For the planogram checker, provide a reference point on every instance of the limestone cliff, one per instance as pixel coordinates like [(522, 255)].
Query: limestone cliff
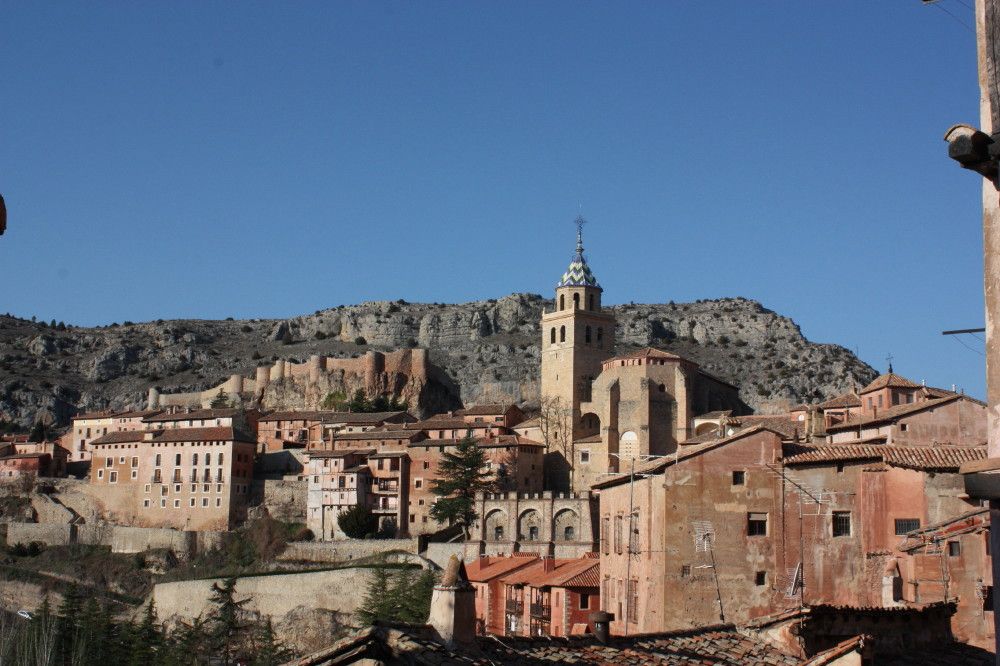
[(482, 351)]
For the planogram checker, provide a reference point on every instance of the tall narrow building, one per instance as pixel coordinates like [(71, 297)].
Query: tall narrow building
[(576, 337)]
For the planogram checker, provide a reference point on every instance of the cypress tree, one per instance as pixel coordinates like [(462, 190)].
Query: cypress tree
[(461, 475)]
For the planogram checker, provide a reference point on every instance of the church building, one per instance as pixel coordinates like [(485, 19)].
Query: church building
[(600, 411)]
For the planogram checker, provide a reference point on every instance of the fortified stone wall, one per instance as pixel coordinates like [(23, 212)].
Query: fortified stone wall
[(403, 373), (340, 590), (120, 539), (344, 551)]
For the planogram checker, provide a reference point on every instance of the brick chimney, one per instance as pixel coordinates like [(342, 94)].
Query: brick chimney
[(548, 564), (453, 606)]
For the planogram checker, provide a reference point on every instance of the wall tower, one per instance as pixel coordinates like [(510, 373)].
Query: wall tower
[(576, 336)]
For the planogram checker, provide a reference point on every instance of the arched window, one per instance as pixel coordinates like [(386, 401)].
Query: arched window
[(552, 338), (586, 335), (576, 301), (562, 301), (562, 334), (590, 302), (568, 533)]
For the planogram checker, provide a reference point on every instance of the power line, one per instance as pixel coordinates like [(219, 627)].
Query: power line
[(953, 16), (961, 342)]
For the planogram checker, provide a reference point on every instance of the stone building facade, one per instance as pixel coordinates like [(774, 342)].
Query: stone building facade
[(547, 523), (185, 478)]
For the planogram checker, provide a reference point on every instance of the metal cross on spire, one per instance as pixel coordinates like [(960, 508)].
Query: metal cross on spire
[(888, 359), (579, 222)]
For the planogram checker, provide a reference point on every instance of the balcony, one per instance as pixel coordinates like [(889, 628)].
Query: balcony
[(514, 606), (386, 507), (385, 488), (541, 610)]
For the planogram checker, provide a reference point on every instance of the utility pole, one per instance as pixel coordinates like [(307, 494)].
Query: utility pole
[(979, 150)]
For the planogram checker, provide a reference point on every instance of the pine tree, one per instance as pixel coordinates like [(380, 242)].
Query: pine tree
[(147, 639), (357, 522), (461, 474), (220, 401), (359, 403), (227, 627), (378, 605), (69, 616)]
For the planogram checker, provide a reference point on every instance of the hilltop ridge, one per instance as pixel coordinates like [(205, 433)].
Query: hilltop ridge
[(488, 350)]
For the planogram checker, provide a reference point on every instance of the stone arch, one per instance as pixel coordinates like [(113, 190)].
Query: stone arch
[(496, 526), (590, 424), (576, 301), (562, 301), (562, 334), (552, 336), (566, 526), (628, 444), (529, 526), (705, 428)]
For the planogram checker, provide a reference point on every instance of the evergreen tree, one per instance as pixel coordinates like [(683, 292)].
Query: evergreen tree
[(147, 639), (68, 617), (461, 474), (227, 626), (359, 403), (357, 522), (220, 401), (188, 645), (378, 604)]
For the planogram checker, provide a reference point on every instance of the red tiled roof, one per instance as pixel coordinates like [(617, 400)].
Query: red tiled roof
[(647, 352), (948, 458), (198, 414), (892, 413), (120, 437), (324, 416), (218, 433), (782, 423), (483, 571), (341, 453), (841, 402), (20, 456), (376, 434), (657, 466), (718, 414), (887, 380), (563, 570), (497, 409)]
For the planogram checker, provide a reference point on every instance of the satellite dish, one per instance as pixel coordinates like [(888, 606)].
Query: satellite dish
[(3, 216)]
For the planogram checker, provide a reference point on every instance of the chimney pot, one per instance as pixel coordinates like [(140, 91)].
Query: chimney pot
[(600, 621)]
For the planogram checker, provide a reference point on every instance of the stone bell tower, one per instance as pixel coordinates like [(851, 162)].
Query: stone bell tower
[(576, 337)]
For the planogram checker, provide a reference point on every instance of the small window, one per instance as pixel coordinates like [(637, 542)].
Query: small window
[(569, 533), (177, 504), (218, 501), (562, 334), (135, 474), (904, 525), (760, 578), (584, 601), (204, 501), (163, 503), (157, 460), (584, 456), (841, 523), (145, 504), (108, 462), (739, 478), (756, 524), (121, 460), (902, 427), (840, 468), (418, 483), (552, 336), (192, 502), (135, 461), (954, 549), (498, 533), (662, 388), (100, 474), (685, 570)]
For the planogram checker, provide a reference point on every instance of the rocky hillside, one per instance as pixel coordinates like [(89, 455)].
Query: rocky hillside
[(489, 350)]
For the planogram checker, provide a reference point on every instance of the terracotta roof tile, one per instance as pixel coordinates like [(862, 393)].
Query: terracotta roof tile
[(887, 380), (219, 433), (913, 457), (841, 402), (893, 413), (481, 571)]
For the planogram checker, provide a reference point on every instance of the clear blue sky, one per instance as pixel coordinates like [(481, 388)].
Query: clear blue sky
[(208, 160)]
